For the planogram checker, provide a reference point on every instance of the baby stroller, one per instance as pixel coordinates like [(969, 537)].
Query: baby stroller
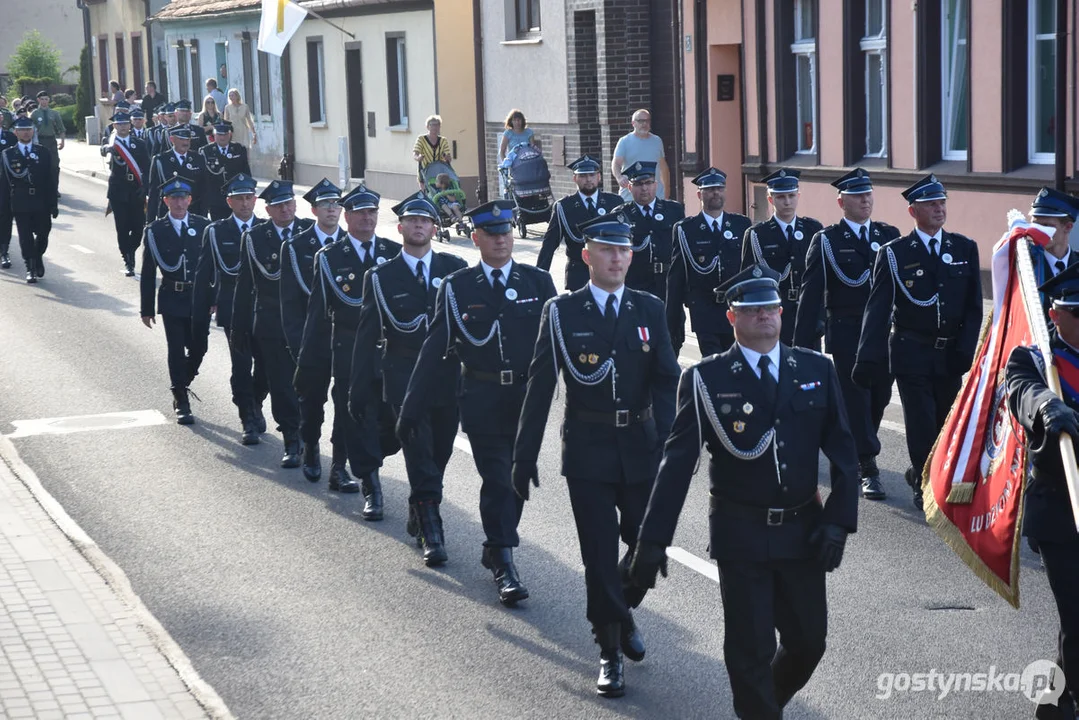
[(529, 186), (441, 196)]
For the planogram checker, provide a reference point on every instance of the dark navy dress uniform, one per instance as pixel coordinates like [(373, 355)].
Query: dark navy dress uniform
[(782, 247), (7, 140), (569, 213), (256, 314), (199, 135), (129, 167), (707, 253), (173, 247), (168, 163), (30, 185), (1050, 203), (763, 440), (1048, 522), (220, 164), (620, 374), (397, 310), (922, 319), (839, 265), (653, 229), (329, 338), (297, 281), (490, 324), (223, 245)]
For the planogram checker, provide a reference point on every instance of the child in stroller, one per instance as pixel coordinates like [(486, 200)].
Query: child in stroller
[(449, 198)]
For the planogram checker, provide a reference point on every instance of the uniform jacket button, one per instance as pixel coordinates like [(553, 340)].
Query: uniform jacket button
[(783, 466)]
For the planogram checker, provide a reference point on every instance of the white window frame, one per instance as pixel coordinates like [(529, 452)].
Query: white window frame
[(876, 45), (805, 47), (1035, 158), (949, 45)]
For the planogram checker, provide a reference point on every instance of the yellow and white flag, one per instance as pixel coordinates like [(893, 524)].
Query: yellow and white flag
[(280, 21)]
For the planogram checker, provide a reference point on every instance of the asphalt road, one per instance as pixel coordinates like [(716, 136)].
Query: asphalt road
[(292, 606)]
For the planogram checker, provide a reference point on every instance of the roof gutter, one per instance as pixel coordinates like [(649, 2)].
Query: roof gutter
[(86, 34), (481, 107)]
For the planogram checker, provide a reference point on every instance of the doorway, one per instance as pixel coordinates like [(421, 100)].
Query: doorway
[(357, 137)]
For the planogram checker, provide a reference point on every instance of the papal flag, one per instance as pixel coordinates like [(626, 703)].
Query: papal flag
[(973, 480), (280, 21)]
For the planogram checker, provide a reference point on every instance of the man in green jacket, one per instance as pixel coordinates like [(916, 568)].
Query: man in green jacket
[(50, 131)]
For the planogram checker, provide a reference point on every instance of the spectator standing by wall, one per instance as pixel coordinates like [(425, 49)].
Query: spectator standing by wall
[(640, 144)]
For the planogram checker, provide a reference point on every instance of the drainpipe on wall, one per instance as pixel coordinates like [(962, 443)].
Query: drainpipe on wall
[(150, 60), (481, 110), (287, 168), (1061, 121)]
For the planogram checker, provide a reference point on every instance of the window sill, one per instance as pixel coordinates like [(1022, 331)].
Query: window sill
[(319, 125), (538, 40), (397, 128)]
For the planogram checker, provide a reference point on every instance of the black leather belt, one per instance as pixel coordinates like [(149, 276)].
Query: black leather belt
[(402, 350), (179, 286), (503, 377), (938, 343), (617, 418), (769, 516)]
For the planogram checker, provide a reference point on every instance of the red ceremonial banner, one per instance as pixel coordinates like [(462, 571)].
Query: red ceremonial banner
[(973, 479)]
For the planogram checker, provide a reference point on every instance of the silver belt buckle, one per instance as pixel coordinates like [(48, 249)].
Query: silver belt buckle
[(178, 286), (792, 294), (130, 177), (775, 516), (32, 191), (940, 343), (505, 377), (621, 418), (657, 268)]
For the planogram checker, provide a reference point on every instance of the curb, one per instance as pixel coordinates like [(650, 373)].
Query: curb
[(115, 578)]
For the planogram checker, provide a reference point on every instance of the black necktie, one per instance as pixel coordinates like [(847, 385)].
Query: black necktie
[(591, 205), (183, 229), (790, 234), (610, 315), (366, 250), (26, 153), (715, 226), (420, 277), (771, 388), (286, 233), (180, 159), (863, 234), (933, 247), (646, 211), (1059, 265), (496, 281), (243, 228)]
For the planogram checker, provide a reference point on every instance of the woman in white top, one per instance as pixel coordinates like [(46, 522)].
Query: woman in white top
[(238, 114)]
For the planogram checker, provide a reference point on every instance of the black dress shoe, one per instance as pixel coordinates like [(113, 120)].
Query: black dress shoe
[(499, 560), (129, 270), (250, 435), (30, 279), (291, 458), (434, 548), (40, 269), (915, 482), (412, 525), (341, 481), (312, 462), (872, 489), (372, 497), (5, 261), (612, 679), (632, 641), (181, 405)]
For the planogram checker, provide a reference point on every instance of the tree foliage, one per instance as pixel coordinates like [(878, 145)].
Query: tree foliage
[(84, 93), (35, 57)]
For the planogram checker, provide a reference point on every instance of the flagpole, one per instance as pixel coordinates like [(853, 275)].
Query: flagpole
[(329, 22), (1038, 328)]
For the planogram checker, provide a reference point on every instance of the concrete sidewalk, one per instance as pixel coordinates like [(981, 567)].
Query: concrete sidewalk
[(75, 641)]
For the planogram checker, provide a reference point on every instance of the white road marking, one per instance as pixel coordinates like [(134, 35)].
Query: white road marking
[(893, 426), (82, 249), (461, 443), (83, 423), (691, 561)]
